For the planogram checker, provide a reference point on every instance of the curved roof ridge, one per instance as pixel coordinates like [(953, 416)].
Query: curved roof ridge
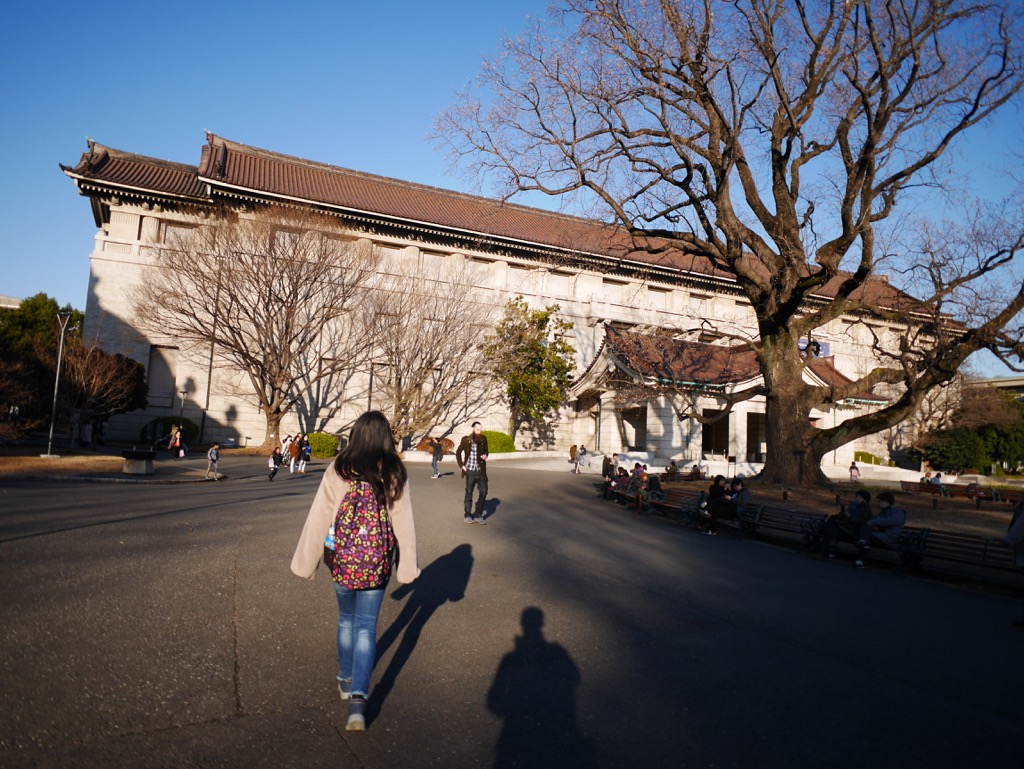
[(215, 140)]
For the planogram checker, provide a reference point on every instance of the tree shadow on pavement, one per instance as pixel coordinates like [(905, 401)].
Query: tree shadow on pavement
[(442, 581), (534, 691)]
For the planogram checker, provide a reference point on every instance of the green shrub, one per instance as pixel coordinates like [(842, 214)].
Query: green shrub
[(499, 443), (323, 446), (866, 458)]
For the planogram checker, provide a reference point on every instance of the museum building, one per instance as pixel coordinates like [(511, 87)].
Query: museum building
[(618, 298)]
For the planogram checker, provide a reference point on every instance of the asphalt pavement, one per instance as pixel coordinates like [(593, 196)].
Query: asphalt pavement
[(156, 624)]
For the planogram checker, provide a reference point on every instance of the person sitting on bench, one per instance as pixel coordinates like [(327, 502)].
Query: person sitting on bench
[(847, 523), (885, 527), (652, 492), (717, 503), (619, 483), (739, 501)]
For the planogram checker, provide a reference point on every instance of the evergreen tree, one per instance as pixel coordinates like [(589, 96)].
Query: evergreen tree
[(532, 361)]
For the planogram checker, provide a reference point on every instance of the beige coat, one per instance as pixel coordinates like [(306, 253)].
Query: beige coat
[(310, 550)]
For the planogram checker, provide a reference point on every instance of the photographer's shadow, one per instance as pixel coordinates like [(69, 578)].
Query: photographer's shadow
[(534, 692), (442, 581)]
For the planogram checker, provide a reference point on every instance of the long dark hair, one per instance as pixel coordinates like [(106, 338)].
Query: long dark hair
[(370, 456)]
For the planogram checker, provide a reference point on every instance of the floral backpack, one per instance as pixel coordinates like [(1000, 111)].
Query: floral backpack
[(359, 548)]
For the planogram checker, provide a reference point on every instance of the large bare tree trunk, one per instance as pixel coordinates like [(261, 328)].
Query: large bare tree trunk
[(775, 142), (273, 437)]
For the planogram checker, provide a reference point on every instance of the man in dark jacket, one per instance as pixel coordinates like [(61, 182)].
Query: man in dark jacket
[(472, 458)]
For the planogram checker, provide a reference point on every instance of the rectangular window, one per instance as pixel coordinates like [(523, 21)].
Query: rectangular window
[(715, 436), (287, 242), (479, 271), (612, 290), (657, 298), (520, 278), (559, 284), (161, 375), (699, 305), (382, 379), (178, 236)]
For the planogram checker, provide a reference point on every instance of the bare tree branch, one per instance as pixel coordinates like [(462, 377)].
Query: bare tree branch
[(273, 292), (779, 140)]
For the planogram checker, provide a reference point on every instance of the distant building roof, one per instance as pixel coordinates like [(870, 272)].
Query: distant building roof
[(1015, 383), (9, 302)]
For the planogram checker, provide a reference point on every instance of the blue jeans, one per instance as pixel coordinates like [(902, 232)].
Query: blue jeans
[(357, 635), (433, 463), (475, 478)]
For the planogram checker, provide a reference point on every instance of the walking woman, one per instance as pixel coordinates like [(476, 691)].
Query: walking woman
[(368, 461)]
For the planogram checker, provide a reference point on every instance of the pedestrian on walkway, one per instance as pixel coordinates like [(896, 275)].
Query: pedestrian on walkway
[(436, 455), (581, 458), (305, 452), (177, 445), (609, 467), (368, 460), (294, 452), (212, 459), (274, 463), (472, 458)]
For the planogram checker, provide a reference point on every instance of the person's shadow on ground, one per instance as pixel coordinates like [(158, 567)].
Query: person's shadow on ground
[(534, 691), (490, 508), (442, 581)]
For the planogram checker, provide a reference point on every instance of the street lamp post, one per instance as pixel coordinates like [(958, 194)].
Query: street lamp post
[(181, 414), (63, 316)]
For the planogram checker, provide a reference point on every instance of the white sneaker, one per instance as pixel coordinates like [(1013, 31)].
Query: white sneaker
[(356, 715)]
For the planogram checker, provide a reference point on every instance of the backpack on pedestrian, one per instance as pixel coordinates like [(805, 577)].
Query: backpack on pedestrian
[(360, 547)]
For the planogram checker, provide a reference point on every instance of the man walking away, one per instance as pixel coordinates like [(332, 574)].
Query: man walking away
[(472, 458)]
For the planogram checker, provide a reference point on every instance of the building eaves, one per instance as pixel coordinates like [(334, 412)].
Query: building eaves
[(690, 365), (102, 166), (824, 369), (231, 166)]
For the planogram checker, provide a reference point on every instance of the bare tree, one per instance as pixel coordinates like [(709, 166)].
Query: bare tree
[(102, 384), (774, 139), (428, 331), (272, 295)]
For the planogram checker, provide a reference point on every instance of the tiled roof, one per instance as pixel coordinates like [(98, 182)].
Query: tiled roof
[(228, 167), (667, 360), (664, 359), (825, 369), (138, 172), (237, 165)]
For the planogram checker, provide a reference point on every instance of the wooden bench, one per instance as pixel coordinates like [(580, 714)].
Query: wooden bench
[(968, 549), (675, 500), (639, 499), (917, 487), (973, 491), (917, 547)]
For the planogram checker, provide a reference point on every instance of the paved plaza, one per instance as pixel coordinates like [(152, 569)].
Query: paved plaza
[(157, 625)]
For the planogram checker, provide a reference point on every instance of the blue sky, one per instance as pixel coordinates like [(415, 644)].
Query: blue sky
[(351, 84)]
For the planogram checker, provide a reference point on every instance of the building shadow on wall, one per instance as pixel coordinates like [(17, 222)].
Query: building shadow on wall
[(442, 581), (534, 691)]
